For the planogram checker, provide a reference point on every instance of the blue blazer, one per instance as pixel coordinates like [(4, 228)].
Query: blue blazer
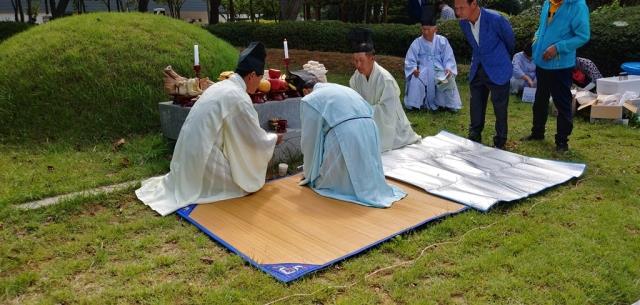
[(497, 42), (414, 8)]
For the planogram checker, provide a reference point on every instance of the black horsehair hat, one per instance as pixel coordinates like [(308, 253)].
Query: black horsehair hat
[(428, 16), (252, 59), (361, 40)]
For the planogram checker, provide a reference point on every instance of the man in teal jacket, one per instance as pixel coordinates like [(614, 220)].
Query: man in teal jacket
[(564, 27)]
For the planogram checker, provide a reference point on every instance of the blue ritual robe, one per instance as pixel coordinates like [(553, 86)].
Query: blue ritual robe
[(431, 89), (341, 151), (522, 66)]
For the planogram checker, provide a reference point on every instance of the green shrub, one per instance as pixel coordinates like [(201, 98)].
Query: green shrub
[(97, 75), (10, 28), (609, 46), (612, 45)]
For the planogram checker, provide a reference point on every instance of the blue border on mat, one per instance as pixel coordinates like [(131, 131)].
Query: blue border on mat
[(287, 272)]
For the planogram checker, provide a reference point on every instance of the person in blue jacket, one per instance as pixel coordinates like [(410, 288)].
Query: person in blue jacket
[(492, 40), (564, 27), (415, 9)]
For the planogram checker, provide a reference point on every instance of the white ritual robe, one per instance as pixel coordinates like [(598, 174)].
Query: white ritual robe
[(221, 152), (432, 59), (382, 92)]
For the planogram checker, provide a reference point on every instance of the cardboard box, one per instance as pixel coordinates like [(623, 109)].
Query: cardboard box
[(611, 112)]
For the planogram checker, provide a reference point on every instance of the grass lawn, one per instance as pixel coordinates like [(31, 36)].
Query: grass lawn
[(575, 244)]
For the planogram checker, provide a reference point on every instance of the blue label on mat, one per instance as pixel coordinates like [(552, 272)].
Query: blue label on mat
[(288, 272), (186, 211)]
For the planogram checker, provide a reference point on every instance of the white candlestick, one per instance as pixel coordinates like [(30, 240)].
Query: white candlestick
[(286, 49), (196, 56)]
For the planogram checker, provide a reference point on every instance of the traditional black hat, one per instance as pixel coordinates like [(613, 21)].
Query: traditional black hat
[(252, 59), (302, 79), (428, 15), (361, 40)]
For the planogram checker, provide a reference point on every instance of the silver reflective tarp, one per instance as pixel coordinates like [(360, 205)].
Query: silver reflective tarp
[(473, 174)]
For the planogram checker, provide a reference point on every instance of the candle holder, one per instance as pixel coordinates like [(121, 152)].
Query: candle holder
[(196, 69), (286, 65)]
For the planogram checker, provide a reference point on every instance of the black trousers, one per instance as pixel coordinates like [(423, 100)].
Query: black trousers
[(480, 87), (557, 84)]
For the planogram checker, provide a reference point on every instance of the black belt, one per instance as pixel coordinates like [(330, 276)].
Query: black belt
[(351, 119)]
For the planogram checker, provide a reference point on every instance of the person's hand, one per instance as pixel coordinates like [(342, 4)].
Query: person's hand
[(550, 53), (280, 138), (531, 84), (447, 73), (529, 81), (416, 72)]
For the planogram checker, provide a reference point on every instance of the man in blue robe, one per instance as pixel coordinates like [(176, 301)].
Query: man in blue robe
[(340, 145), (524, 71), (430, 69)]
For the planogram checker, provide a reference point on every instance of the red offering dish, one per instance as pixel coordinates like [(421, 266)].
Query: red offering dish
[(258, 98), (274, 73), (277, 95), (282, 126)]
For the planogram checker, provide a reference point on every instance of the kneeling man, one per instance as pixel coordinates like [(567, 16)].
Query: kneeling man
[(340, 143), (221, 152), (378, 87)]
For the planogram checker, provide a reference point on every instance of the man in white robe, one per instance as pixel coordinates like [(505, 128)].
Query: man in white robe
[(378, 87), (221, 152), (339, 141), (430, 70)]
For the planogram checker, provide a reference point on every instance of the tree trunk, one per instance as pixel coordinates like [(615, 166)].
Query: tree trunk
[(179, 4), (20, 10), (143, 5), (375, 13), (52, 5), (251, 10), (108, 6), (29, 13), (61, 8), (172, 9), (15, 9), (214, 11), (232, 11), (289, 9), (385, 10), (46, 7), (318, 10), (366, 12), (306, 11), (343, 10), (273, 9)]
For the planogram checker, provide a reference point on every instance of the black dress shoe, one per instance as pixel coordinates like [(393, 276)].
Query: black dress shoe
[(475, 138), (452, 110), (532, 138), (562, 148), (498, 146)]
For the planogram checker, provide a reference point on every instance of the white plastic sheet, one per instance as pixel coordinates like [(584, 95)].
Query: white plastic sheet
[(473, 174)]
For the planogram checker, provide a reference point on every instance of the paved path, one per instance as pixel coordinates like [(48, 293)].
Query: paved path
[(57, 199)]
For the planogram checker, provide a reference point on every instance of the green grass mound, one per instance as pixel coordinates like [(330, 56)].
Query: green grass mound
[(97, 76)]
